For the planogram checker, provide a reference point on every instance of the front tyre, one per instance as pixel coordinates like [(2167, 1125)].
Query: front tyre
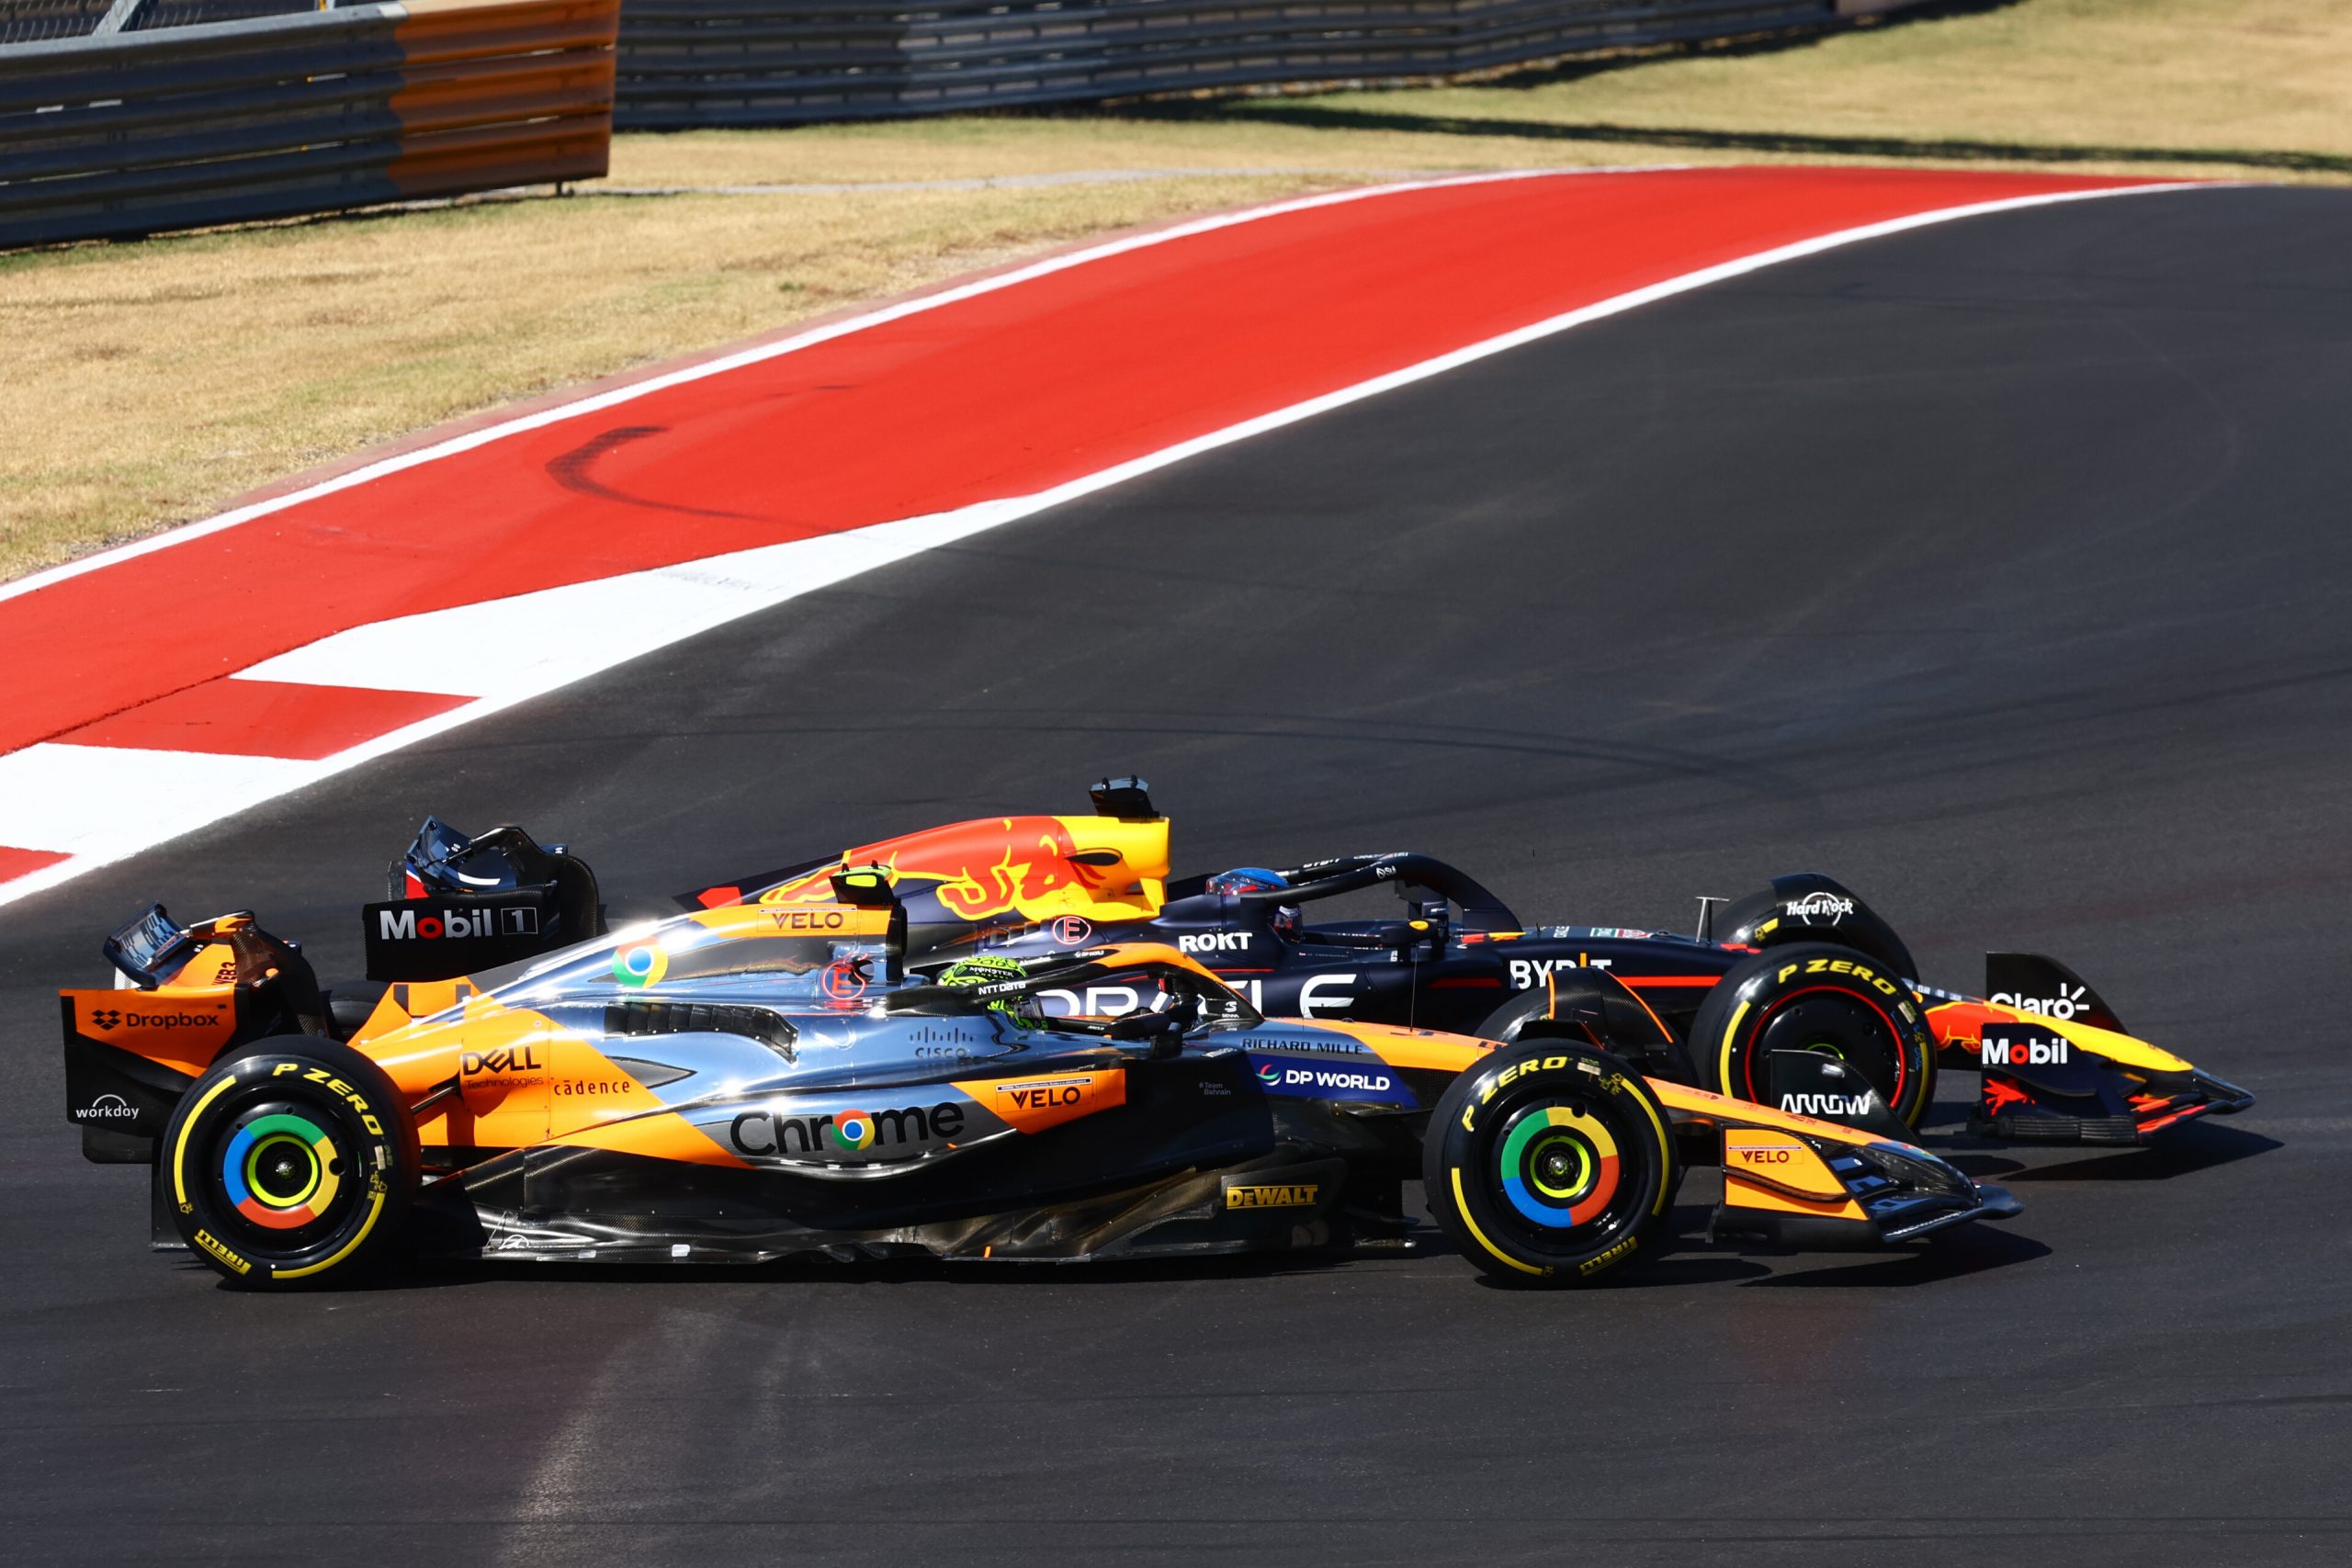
[(1549, 1163), (290, 1164), (1820, 998)]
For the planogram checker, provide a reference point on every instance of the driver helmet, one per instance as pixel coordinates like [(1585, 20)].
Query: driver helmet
[(1258, 879), (989, 969)]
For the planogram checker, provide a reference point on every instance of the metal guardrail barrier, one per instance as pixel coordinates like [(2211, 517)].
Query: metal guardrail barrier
[(28, 21), (134, 132), (704, 62)]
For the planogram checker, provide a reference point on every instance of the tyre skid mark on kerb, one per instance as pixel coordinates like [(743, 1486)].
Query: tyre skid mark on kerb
[(573, 471), (51, 792)]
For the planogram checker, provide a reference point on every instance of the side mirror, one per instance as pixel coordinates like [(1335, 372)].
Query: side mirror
[(1135, 1026), (1128, 799), (1425, 932), (1164, 1031)]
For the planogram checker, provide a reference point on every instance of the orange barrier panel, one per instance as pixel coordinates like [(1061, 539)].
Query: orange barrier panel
[(490, 92), (472, 29), (493, 157), (504, 92)]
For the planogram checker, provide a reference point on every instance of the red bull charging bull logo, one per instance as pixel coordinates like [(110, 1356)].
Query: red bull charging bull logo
[(1033, 865)]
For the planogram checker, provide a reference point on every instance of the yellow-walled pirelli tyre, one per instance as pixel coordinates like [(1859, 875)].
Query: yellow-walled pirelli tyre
[(1550, 1162), (290, 1164), (1822, 997)]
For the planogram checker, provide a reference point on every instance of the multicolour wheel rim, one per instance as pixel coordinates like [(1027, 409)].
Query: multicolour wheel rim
[(1558, 1167), (281, 1172)]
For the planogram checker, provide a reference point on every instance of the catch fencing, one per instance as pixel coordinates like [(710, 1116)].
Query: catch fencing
[(707, 63), (131, 131)]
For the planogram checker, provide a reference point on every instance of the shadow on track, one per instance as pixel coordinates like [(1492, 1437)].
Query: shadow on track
[(1692, 1262), (2190, 1149), (1968, 1250), (445, 1273)]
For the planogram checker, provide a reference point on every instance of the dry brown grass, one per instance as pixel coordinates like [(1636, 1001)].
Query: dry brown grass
[(150, 382)]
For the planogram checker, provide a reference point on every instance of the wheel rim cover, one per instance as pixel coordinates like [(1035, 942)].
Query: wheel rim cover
[(1886, 1041), (1559, 1166), (279, 1171)]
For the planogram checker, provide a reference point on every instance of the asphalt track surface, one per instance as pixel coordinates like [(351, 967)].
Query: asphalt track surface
[(1998, 569)]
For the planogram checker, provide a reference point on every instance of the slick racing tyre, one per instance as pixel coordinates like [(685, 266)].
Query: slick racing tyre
[(1815, 997), (1549, 1163), (290, 1164)]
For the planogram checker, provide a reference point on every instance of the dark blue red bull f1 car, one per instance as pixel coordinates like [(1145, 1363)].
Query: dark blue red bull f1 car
[(1800, 997)]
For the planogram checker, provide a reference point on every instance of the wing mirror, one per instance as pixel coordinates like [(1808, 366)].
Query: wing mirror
[(1428, 924), (1164, 1031)]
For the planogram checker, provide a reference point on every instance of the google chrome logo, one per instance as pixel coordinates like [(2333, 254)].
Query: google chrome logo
[(852, 1129), (640, 966)]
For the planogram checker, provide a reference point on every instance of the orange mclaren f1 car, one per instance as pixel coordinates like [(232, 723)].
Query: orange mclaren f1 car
[(754, 1080)]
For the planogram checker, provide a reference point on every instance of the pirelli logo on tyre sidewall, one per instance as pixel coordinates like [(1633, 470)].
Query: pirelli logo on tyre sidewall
[(1592, 1266), (204, 1239)]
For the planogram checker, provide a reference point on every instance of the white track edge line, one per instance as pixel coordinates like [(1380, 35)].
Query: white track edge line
[(1013, 509)]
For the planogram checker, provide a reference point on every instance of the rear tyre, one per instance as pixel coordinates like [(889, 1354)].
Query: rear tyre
[(290, 1164), (1549, 1163), (1815, 997)]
